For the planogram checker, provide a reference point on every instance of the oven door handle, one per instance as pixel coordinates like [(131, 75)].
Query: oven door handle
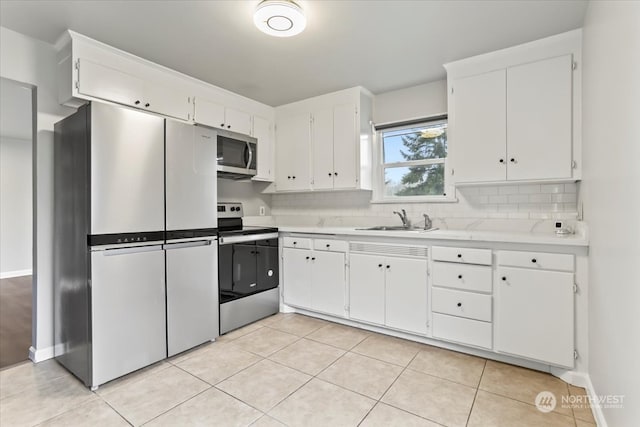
[(246, 238)]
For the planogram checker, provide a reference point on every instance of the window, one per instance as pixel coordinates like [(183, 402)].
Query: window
[(413, 160)]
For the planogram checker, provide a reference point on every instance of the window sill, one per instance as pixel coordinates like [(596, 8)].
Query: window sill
[(428, 199)]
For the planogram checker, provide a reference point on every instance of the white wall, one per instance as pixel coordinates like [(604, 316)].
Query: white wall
[(611, 137), (34, 62), (248, 193), (15, 206), (414, 102)]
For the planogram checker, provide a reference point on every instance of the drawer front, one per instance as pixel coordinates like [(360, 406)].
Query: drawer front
[(296, 242), (461, 330), (537, 260), (462, 276), (462, 255), (460, 303), (330, 245)]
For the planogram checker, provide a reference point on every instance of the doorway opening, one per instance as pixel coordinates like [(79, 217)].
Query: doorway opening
[(16, 221)]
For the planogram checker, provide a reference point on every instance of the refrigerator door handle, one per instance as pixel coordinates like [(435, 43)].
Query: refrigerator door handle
[(182, 245), (131, 250)]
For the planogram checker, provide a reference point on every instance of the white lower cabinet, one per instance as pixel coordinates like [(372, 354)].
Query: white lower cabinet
[(534, 314), (296, 273), (389, 291), (314, 280)]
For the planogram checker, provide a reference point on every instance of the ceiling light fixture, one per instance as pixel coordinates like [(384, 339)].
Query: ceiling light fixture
[(280, 18)]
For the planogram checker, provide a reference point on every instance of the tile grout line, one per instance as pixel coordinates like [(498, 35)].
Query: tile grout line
[(476, 393)]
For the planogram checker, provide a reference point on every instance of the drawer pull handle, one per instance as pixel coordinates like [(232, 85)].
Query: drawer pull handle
[(295, 243), (459, 276), (459, 304), (459, 255), (379, 265), (504, 278), (534, 260), (328, 245), (388, 266), (313, 259), (307, 258)]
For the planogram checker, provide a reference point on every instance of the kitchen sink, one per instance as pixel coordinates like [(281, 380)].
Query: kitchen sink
[(395, 228)]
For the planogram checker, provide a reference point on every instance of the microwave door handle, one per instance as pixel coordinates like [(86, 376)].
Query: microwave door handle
[(250, 155)]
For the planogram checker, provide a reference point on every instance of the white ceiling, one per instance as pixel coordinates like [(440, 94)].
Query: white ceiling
[(15, 110), (381, 45)]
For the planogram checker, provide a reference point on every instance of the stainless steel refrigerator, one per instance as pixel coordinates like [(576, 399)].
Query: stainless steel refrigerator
[(135, 271)]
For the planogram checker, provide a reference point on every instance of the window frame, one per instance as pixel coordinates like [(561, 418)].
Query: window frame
[(380, 166)]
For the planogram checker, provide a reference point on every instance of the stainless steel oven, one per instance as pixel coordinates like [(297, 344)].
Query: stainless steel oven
[(248, 269), (237, 155)]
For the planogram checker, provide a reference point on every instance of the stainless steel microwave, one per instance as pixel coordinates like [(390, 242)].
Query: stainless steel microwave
[(237, 155)]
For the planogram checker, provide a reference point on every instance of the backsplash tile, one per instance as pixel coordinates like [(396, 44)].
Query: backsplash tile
[(498, 202)]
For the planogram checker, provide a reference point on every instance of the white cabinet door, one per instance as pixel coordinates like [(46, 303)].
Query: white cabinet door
[(406, 294), (262, 132), (323, 149), (168, 101), (534, 315), (237, 121), (209, 113), (366, 288), (106, 83), (328, 282), (478, 127), (345, 146), (293, 136), (539, 119), (296, 265)]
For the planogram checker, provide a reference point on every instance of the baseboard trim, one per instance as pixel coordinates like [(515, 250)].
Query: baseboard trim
[(15, 273), (40, 355), (598, 415)]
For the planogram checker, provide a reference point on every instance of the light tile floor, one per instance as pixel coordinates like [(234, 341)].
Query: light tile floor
[(294, 370)]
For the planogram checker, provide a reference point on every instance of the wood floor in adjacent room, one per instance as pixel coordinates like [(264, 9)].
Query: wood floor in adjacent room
[(15, 320)]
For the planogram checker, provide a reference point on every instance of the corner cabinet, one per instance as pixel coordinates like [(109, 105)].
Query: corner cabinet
[(514, 114), (330, 136)]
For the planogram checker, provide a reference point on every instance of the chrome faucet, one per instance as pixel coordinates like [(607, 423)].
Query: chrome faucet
[(427, 222), (406, 222)]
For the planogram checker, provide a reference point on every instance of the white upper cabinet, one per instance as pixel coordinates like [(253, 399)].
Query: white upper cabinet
[(109, 84), (322, 140), (263, 132), (293, 136), (216, 115), (539, 119), (514, 114), (340, 141), (478, 128)]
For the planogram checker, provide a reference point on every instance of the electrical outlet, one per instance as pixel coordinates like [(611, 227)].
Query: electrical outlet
[(262, 210)]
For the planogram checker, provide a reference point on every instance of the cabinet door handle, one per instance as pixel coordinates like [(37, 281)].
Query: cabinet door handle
[(459, 255), (501, 160), (293, 177), (147, 105), (329, 173), (313, 259), (221, 125), (459, 276), (307, 258), (388, 266), (335, 174), (459, 304), (228, 126), (534, 260), (328, 245), (379, 265), (504, 279), (137, 102), (512, 160)]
